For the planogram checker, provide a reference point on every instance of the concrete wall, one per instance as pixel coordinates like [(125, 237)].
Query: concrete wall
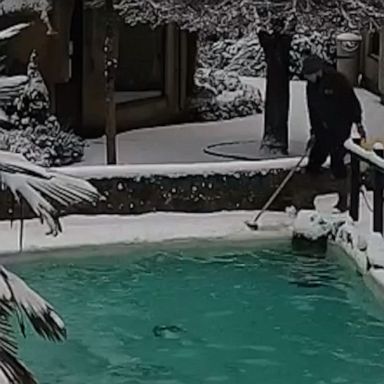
[(242, 190)]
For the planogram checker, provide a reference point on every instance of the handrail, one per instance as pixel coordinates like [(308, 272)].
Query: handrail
[(375, 159)]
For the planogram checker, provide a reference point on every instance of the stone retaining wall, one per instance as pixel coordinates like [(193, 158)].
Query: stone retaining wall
[(243, 190)]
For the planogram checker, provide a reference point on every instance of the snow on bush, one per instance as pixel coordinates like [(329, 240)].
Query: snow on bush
[(221, 95), (44, 144), (39, 136), (246, 57)]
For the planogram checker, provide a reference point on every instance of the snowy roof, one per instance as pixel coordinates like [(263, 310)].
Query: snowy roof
[(241, 16), (13, 6)]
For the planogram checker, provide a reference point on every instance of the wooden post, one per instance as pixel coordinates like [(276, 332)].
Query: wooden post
[(355, 185), (110, 75), (378, 200)]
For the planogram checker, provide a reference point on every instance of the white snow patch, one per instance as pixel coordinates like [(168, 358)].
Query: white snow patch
[(184, 169), (376, 249), (311, 225), (378, 147), (10, 6), (14, 30), (348, 36), (81, 231), (157, 145)]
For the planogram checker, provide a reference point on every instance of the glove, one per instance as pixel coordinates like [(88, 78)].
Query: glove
[(311, 142), (361, 131)]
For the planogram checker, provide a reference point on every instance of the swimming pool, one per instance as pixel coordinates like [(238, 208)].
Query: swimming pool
[(235, 314)]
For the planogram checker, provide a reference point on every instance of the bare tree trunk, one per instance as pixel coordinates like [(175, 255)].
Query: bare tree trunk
[(276, 48), (110, 75)]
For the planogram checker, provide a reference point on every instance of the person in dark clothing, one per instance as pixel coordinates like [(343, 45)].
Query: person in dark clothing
[(333, 109)]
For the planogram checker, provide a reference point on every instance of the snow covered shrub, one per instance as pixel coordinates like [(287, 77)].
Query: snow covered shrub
[(243, 56), (246, 57), (220, 95), (221, 81), (46, 145), (39, 136), (319, 43)]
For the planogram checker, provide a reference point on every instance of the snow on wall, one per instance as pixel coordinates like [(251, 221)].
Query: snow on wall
[(99, 230), (367, 251), (364, 247), (180, 170)]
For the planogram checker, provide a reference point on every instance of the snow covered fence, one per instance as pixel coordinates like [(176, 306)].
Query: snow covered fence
[(375, 159)]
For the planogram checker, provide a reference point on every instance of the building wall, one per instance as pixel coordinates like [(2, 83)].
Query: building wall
[(162, 108), (372, 66), (141, 58), (86, 114), (381, 65), (52, 49)]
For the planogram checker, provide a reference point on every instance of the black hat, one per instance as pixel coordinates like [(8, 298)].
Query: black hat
[(312, 64)]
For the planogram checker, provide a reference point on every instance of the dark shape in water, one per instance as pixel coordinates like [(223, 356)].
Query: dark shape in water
[(140, 371), (317, 248), (167, 331), (307, 284)]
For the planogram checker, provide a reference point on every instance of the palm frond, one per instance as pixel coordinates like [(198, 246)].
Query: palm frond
[(35, 185), (12, 31), (5, 36), (46, 322), (7, 339), (12, 371), (41, 188)]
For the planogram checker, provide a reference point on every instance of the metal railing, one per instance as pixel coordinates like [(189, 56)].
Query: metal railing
[(375, 160)]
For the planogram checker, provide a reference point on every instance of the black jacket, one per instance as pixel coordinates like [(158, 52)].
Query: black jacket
[(332, 105)]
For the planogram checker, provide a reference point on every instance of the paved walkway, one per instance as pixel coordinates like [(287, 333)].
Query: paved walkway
[(220, 141)]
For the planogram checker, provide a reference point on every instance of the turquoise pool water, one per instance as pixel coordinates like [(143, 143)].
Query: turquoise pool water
[(241, 315)]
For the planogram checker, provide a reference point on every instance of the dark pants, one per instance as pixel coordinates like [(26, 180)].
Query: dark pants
[(328, 145)]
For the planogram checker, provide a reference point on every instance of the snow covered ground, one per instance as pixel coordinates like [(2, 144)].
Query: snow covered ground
[(81, 231), (185, 143), (180, 170)]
